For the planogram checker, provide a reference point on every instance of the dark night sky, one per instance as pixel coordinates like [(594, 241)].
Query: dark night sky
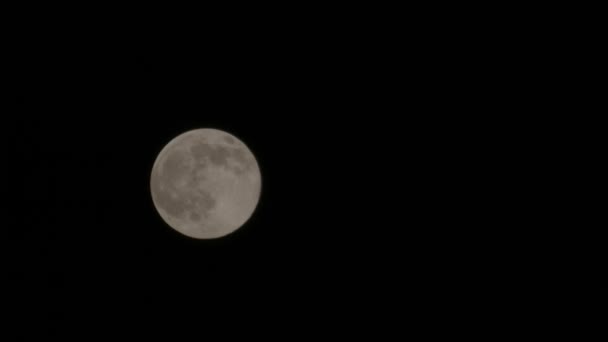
[(365, 179)]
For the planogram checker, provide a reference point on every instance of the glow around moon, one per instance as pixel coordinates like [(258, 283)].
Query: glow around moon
[(205, 183)]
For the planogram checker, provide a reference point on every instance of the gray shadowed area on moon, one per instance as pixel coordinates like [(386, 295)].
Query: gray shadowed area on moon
[(205, 183)]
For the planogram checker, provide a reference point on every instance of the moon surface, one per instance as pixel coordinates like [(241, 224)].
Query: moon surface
[(205, 183)]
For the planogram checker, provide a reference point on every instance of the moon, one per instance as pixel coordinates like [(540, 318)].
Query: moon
[(205, 183)]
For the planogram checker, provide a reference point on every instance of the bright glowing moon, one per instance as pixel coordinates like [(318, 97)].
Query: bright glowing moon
[(205, 183)]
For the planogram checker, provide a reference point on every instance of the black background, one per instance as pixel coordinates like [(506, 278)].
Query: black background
[(378, 180)]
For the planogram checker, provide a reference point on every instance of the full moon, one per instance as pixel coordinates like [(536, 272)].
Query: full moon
[(205, 183)]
